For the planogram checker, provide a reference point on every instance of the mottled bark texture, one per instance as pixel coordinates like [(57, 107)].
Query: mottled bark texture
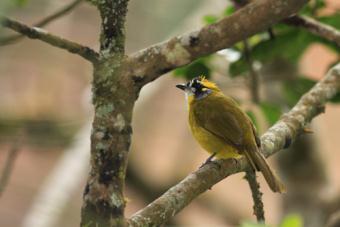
[(276, 138), (257, 16), (113, 99)]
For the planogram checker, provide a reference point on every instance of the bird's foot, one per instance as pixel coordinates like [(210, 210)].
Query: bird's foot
[(209, 160)]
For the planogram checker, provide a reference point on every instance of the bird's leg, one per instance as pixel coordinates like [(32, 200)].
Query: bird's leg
[(208, 159)]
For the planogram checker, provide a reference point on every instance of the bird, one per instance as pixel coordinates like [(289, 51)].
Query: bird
[(223, 129)]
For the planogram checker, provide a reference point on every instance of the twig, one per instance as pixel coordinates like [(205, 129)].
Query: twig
[(256, 194), (250, 174), (254, 91), (150, 63), (9, 164), (37, 33), (334, 220), (317, 28), (276, 138), (61, 12), (254, 77)]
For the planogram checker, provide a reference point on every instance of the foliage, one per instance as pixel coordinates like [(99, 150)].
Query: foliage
[(291, 220), (271, 112), (289, 44), (252, 117), (294, 91), (6, 5), (196, 68)]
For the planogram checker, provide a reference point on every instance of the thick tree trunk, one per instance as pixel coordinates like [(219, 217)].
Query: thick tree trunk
[(113, 98)]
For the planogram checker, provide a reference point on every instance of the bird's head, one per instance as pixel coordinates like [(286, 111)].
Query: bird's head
[(198, 88)]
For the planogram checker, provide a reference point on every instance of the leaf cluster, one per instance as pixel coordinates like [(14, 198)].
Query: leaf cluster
[(289, 44)]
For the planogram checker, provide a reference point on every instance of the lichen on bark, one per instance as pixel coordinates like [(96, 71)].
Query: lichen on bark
[(113, 100)]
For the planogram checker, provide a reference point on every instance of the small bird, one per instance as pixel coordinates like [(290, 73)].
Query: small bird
[(223, 129)]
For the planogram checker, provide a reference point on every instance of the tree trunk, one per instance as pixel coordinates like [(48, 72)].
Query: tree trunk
[(113, 99)]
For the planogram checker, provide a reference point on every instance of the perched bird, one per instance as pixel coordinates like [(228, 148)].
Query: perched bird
[(223, 129)]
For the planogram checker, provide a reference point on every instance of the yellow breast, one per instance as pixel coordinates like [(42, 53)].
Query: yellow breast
[(208, 141)]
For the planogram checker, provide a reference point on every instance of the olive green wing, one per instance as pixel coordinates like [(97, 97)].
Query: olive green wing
[(222, 118)]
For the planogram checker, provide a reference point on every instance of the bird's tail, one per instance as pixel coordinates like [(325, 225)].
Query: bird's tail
[(258, 162)]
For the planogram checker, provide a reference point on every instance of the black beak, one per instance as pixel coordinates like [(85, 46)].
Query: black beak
[(181, 86)]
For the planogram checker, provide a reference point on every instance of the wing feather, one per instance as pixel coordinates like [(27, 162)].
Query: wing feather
[(223, 119)]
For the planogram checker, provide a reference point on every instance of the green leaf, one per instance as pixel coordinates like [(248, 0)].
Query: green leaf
[(238, 67), (333, 20), (21, 2), (196, 68), (312, 7), (271, 112), (336, 98), (292, 220), (289, 44), (210, 19), (252, 117), (229, 10), (293, 90)]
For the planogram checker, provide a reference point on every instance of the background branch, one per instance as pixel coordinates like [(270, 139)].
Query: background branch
[(150, 63), (256, 194), (9, 163), (317, 28), (277, 137), (253, 75), (37, 33), (61, 12)]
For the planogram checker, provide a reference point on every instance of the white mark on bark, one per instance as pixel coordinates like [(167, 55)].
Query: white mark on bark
[(119, 123), (177, 56)]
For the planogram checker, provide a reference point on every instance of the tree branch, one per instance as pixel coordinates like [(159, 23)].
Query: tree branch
[(148, 64), (37, 33), (112, 37), (61, 12), (256, 194), (276, 138), (9, 164), (113, 99), (253, 75), (323, 30)]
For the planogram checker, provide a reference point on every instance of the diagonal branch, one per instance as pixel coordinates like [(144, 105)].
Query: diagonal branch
[(61, 12), (276, 138), (9, 164), (148, 64), (317, 28), (37, 33)]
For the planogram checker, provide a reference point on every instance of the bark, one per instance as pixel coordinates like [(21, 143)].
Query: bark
[(113, 99), (152, 62), (323, 30), (40, 34)]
